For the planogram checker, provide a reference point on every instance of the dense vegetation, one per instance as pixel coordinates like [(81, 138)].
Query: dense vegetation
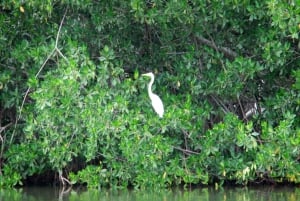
[(74, 107)]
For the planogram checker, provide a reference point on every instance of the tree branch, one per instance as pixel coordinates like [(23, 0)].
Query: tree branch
[(186, 151), (226, 51), (41, 68)]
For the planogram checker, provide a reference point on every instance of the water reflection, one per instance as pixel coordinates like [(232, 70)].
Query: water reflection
[(200, 194)]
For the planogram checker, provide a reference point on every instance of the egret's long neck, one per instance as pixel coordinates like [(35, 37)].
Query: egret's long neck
[(150, 85)]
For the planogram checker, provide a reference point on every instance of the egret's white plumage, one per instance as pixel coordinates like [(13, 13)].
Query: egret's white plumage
[(157, 104)]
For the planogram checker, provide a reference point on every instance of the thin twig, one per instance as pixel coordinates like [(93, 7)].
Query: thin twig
[(1, 130), (2, 140), (61, 54), (186, 150), (43, 65), (4, 127), (40, 70), (59, 29)]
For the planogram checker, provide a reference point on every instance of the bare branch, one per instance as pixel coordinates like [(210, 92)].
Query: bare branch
[(4, 127), (186, 150), (59, 29), (64, 180), (61, 54), (2, 140), (220, 104), (242, 109), (226, 51), (40, 70)]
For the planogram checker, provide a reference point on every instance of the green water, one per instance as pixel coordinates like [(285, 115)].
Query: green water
[(200, 194)]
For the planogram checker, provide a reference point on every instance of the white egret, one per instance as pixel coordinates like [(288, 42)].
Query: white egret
[(157, 104)]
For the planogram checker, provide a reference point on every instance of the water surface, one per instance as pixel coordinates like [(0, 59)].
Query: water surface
[(199, 194)]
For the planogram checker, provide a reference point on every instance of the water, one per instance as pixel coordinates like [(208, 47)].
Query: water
[(200, 194)]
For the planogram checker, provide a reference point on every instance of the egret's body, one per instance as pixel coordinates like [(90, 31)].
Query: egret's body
[(157, 104)]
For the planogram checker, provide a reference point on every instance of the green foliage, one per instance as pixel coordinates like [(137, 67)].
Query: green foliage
[(93, 176), (279, 154), (231, 147), (72, 100)]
